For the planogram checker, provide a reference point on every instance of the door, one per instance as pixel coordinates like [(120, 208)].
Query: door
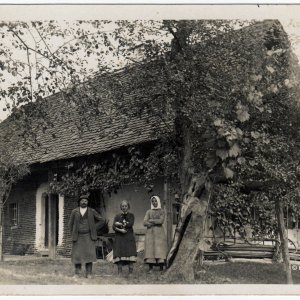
[(51, 219)]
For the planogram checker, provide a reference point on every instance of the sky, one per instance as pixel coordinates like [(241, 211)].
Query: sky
[(289, 19)]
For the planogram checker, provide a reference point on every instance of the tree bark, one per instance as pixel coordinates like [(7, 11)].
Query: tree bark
[(1, 231), (186, 167), (284, 241), (3, 198), (185, 250)]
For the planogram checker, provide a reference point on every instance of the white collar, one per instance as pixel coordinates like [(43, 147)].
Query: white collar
[(82, 210)]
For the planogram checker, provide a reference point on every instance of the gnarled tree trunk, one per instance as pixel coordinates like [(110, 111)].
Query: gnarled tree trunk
[(189, 235), (4, 193), (1, 230), (284, 241), (182, 258)]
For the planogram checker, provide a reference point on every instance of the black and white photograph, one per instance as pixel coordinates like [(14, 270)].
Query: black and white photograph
[(149, 148)]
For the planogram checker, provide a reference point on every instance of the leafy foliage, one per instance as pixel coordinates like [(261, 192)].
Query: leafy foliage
[(133, 165), (11, 171), (227, 92)]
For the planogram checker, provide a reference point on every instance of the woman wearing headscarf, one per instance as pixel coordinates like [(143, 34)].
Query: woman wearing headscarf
[(124, 248), (155, 240)]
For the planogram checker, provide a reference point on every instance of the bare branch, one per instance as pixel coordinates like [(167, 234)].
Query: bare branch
[(30, 74), (26, 46), (42, 39)]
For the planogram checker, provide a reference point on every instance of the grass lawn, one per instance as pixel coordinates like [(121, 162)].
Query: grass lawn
[(247, 272), (45, 271)]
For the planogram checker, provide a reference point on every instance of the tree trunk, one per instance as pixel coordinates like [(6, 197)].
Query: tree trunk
[(1, 231), (182, 258), (4, 193), (186, 167), (189, 235), (284, 241)]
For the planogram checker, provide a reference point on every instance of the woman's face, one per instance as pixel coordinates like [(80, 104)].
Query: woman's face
[(154, 202), (124, 207)]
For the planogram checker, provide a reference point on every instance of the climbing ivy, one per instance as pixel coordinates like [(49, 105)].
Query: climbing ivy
[(133, 165)]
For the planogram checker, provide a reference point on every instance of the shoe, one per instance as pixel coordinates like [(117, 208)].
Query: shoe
[(149, 271), (89, 276), (75, 276)]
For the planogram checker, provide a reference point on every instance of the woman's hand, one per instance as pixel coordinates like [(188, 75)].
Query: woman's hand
[(119, 224), (123, 230)]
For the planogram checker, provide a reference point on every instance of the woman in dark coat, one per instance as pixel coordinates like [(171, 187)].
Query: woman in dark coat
[(124, 249)]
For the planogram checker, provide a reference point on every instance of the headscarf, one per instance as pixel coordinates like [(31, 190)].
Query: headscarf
[(158, 202)]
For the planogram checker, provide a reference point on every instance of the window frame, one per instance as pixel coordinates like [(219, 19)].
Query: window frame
[(14, 214)]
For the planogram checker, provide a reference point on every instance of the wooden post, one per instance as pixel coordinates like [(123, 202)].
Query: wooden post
[(1, 230), (52, 227)]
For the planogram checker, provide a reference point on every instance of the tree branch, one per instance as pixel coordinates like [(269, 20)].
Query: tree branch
[(30, 74), (26, 46), (78, 38), (176, 38), (6, 194), (42, 39)]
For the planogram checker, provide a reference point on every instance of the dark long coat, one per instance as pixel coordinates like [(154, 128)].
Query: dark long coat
[(83, 247), (124, 248)]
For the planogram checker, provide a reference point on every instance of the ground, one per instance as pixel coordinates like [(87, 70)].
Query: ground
[(33, 270)]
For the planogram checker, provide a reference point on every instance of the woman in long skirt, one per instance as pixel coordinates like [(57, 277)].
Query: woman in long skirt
[(155, 240), (124, 248)]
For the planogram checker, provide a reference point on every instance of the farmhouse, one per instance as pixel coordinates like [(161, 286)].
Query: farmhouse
[(36, 218)]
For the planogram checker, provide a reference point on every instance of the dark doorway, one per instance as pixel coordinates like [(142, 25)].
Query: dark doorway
[(54, 198), (46, 243), (96, 201)]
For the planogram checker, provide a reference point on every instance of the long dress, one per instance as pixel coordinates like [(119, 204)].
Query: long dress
[(124, 247), (155, 240)]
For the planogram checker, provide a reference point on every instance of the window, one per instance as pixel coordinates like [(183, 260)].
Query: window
[(13, 214)]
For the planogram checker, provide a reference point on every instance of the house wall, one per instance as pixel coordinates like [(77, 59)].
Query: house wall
[(20, 239), (139, 200), (26, 237), (64, 249)]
